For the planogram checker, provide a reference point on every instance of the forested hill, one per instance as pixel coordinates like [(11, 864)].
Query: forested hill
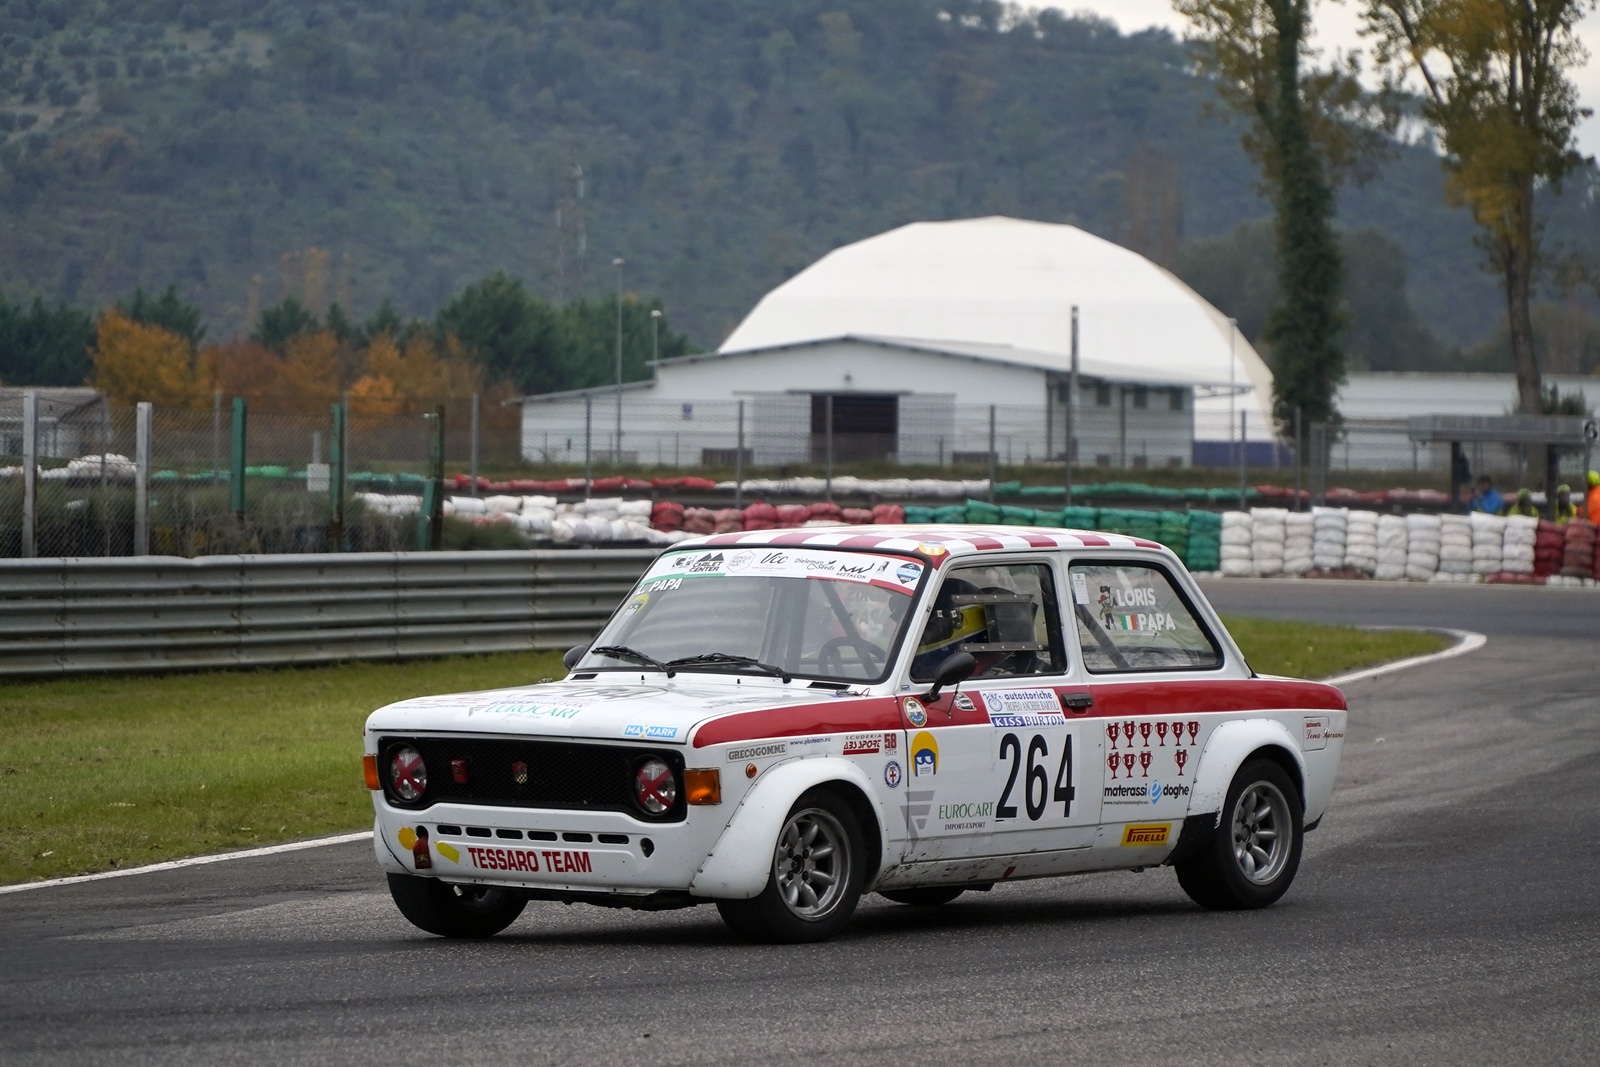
[(402, 148)]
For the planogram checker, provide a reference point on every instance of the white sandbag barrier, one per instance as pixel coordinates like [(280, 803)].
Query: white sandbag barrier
[(1393, 547), (601, 520)]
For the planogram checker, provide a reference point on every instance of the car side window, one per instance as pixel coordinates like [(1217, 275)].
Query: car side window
[(1005, 615), (1130, 617)]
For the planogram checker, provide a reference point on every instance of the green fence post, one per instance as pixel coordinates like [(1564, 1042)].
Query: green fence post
[(336, 480), (236, 465)]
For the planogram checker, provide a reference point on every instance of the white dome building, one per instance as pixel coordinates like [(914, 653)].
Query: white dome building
[(915, 333)]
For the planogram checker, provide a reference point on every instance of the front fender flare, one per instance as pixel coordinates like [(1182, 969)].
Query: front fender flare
[(741, 861), (1226, 750)]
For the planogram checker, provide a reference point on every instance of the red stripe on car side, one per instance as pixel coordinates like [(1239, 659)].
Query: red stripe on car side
[(1177, 698), (832, 717)]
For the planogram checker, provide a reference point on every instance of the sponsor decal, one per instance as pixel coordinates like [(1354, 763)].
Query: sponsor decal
[(533, 711), (919, 802), (983, 809), (1146, 835), (924, 756), (863, 744), (529, 860), (738, 561), (1318, 732), (916, 714), (928, 548), (891, 774), (1080, 589), (1154, 793), (1016, 708), (633, 606), (776, 748), (707, 564), (663, 733), (908, 573), (519, 771), (407, 837), (964, 703), (801, 741), (448, 851)]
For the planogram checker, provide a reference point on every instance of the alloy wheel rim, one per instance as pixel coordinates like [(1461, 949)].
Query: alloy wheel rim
[(1261, 833), (811, 864)]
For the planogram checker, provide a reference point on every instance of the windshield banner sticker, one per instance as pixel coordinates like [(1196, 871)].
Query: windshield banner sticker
[(1013, 708), (890, 572)]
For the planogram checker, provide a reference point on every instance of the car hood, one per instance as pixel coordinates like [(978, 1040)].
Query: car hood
[(600, 709)]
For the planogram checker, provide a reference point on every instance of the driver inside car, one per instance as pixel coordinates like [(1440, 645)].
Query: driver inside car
[(964, 618)]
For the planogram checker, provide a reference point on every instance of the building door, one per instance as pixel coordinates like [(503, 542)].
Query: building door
[(865, 426)]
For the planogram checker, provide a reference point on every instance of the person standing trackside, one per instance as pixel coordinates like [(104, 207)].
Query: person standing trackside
[(1487, 499), (1562, 509), (1594, 497), (1524, 505)]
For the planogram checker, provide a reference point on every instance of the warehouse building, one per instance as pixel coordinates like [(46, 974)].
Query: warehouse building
[(911, 345)]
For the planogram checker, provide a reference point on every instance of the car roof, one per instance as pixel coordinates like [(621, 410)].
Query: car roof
[(932, 541)]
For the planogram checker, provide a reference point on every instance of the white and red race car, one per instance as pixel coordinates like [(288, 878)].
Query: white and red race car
[(780, 721)]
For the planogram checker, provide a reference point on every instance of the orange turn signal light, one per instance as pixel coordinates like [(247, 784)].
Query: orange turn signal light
[(703, 786), (370, 765)]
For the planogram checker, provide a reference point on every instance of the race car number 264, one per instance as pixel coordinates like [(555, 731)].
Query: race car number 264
[(1034, 788)]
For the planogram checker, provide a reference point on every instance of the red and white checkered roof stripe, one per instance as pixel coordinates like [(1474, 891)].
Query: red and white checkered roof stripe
[(956, 540)]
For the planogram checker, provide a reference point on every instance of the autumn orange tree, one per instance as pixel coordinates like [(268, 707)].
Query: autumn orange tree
[(134, 362)]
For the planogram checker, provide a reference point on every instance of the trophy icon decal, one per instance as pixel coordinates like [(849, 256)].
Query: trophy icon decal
[(1127, 731), (1144, 763), (1161, 732), (1177, 733), (1127, 764), (1112, 761), (1182, 756), (1194, 732), (1144, 732), (1111, 732)]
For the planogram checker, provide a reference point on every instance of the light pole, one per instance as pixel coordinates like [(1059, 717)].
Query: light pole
[(616, 454), (655, 336), (1233, 333)]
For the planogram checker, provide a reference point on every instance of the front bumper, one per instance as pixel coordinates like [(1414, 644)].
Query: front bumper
[(558, 850)]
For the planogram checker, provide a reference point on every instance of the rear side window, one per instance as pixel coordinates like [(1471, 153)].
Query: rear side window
[(1130, 617)]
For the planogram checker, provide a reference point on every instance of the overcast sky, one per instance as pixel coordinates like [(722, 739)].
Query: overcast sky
[(1337, 24)]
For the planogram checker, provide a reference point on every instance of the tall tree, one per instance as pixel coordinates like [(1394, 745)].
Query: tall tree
[(1306, 132), (1495, 88), (40, 345), (167, 310)]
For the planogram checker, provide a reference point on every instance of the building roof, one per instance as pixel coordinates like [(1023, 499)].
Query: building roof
[(1010, 283), (932, 541), (974, 350)]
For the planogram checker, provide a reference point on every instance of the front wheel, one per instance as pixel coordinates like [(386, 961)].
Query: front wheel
[(1255, 852), (815, 882), (454, 910)]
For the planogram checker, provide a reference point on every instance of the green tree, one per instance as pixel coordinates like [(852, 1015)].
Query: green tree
[(507, 328), (282, 323), (167, 310), (41, 345), (1305, 133), (1497, 91)]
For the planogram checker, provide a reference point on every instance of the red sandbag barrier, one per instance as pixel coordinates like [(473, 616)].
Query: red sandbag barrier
[(1577, 554), (1549, 546)]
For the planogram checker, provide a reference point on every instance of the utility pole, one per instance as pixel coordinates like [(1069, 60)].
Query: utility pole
[(616, 455), (1072, 407)]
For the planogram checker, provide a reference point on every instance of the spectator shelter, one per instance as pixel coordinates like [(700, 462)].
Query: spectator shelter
[(1554, 434)]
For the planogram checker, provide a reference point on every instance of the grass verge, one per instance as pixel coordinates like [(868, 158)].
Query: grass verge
[(99, 773), (1307, 650)]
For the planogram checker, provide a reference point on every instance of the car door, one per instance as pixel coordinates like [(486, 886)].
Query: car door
[(1139, 637), (998, 768)]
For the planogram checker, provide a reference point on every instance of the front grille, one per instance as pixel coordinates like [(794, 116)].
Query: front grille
[(560, 774)]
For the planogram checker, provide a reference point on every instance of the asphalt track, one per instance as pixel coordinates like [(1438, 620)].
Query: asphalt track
[(1444, 913)]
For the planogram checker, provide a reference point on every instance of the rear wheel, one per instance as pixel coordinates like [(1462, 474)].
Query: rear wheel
[(925, 896), (1255, 852), (454, 910), (815, 880)]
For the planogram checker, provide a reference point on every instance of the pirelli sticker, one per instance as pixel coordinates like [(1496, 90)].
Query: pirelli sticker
[(1146, 834)]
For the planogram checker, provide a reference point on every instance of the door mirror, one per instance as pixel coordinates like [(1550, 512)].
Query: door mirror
[(953, 670), (573, 655)]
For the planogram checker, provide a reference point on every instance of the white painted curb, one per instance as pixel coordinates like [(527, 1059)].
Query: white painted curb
[(1466, 641), (193, 861)]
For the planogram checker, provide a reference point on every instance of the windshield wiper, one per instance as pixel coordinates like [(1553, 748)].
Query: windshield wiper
[(712, 658), (624, 652)]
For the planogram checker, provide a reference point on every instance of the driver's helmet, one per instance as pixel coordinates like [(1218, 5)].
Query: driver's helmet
[(948, 626)]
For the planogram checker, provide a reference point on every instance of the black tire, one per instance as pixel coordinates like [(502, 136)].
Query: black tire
[(1242, 867), (925, 896), (454, 911), (788, 910)]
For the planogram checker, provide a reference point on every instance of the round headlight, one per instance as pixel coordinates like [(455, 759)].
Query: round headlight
[(408, 774), (654, 787)]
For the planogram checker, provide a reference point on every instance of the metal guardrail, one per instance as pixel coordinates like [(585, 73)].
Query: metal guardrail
[(157, 613)]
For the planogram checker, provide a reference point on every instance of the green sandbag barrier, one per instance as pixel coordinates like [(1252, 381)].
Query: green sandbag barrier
[(977, 511), (918, 515), (1011, 516)]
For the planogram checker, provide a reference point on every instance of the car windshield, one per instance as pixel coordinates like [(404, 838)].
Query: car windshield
[(817, 613)]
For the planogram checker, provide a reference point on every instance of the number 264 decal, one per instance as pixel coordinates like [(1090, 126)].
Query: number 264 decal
[(1036, 791)]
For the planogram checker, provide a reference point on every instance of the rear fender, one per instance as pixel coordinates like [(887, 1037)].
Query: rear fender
[(741, 861), (1226, 750)]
